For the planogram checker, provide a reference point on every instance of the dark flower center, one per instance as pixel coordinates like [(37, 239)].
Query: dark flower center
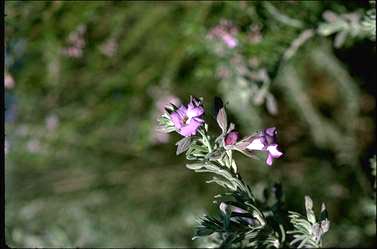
[(184, 120)]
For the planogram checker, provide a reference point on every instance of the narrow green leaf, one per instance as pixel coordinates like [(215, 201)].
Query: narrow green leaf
[(309, 210)]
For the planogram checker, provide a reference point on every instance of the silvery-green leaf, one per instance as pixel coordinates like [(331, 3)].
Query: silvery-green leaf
[(183, 145), (308, 202), (222, 119), (194, 166), (165, 129), (309, 209), (206, 127), (302, 243), (216, 154), (316, 231), (219, 138)]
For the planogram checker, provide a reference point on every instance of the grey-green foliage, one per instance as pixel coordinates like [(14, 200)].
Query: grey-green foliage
[(308, 231), (353, 25), (244, 221)]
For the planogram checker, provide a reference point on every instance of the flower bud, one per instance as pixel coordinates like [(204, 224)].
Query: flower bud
[(231, 138)]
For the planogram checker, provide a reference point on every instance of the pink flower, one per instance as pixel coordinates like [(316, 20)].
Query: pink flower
[(229, 40), (76, 43), (109, 48), (187, 120), (266, 141), (226, 32)]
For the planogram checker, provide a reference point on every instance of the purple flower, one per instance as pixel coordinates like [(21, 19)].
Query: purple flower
[(187, 120), (231, 138), (266, 141)]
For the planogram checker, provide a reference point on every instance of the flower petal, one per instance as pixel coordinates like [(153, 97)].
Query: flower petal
[(269, 159), (229, 40), (190, 128), (256, 144), (194, 111), (176, 119), (272, 149), (182, 111), (199, 120), (270, 131)]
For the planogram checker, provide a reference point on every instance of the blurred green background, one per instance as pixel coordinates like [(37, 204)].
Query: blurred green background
[(86, 81)]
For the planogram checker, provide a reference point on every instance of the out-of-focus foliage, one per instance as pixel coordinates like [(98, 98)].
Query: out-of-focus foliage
[(84, 165), (308, 232)]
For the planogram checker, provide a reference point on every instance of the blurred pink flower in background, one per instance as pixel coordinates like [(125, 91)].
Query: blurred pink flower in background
[(76, 42), (226, 32), (166, 100), (33, 146), (109, 47), (8, 81), (159, 137), (52, 121)]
